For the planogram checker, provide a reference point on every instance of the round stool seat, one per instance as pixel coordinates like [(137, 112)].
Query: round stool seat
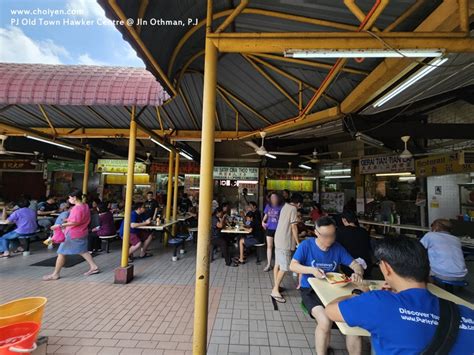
[(175, 241)]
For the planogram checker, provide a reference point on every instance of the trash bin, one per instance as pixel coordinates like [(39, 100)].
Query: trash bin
[(28, 309), (18, 338)]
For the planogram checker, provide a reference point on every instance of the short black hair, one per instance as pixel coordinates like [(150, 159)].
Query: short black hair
[(250, 214), (137, 205), (23, 202), (325, 221), (76, 193), (217, 210), (296, 198), (149, 193), (407, 257), (253, 203), (349, 216), (103, 207)]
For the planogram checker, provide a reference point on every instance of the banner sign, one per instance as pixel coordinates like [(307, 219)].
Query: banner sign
[(18, 165), (184, 168), (118, 166), (386, 164), (442, 165), (235, 173), (69, 166)]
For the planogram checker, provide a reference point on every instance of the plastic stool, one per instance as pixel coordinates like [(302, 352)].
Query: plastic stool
[(449, 285), (107, 239)]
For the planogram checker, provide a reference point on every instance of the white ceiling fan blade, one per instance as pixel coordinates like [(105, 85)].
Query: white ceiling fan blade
[(252, 144), (282, 153), (248, 154)]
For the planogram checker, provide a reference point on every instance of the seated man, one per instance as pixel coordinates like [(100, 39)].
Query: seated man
[(217, 240), (355, 240), (25, 220), (404, 318), (45, 209), (445, 252), (139, 238), (249, 239), (313, 258)]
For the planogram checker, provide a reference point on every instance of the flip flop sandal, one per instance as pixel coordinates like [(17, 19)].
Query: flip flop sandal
[(147, 255), (268, 268), (5, 256), (278, 299), (237, 261), (92, 272), (50, 278)]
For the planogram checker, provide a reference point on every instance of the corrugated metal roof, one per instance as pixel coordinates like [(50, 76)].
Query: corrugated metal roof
[(78, 85)]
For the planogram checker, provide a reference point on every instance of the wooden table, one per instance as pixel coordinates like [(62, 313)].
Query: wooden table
[(400, 226), (328, 293), (235, 231)]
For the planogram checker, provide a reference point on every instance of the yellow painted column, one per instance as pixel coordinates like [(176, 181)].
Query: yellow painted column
[(205, 194), (87, 159), (169, 192), (129, 189), (175, 192)]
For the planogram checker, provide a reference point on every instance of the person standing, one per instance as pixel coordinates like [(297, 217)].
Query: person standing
[(269, 224), (76, 232), (151, 206), (286, 232), (217, 240)]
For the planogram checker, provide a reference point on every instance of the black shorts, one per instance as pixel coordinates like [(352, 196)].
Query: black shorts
[(310, 299), (270, 233)]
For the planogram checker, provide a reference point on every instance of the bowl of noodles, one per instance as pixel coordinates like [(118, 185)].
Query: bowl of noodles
[(337, 279)]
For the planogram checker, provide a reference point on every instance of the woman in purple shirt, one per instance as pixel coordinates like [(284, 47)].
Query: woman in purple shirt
[(25, 220), (106, 227), (269, 223)]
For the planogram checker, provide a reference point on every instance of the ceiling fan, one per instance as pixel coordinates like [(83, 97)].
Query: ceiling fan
[(4, 151), (147, 161), (406, 154), (262, 151), (38, 158), (314, 158)]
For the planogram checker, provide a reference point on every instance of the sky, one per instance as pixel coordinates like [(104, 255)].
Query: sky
[(42, 36)]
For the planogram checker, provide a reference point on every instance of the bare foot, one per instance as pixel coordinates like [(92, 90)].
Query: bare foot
[(51, 277)]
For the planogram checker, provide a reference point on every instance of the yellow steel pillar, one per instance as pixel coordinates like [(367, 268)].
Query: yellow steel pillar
[(175, 192), (169, 192), (205, 192), (87, 159), (464, 16), (124, 273)]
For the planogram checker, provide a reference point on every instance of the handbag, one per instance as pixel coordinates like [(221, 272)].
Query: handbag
[(447, 331), (58, 236)]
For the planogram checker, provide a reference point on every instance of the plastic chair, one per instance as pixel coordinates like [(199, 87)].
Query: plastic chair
[(449, 285)]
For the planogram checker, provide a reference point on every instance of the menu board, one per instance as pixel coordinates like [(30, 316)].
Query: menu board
[(332, 201), (442, 165), (292, 185), (235, 173), (385, 164), (70, 166), (118, 166)]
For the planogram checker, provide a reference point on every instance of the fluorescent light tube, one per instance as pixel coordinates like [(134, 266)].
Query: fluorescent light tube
[(410, 81), (336, 171), (337, 177), (270, 156), (305, 167), (407, 178), (363, 53), (394, 174), (50, 142), (183, 154), (160, 144), (368, 140)]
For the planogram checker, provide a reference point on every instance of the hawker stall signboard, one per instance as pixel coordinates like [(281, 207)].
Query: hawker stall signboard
[(118, 166), (442, 165), (235, 173), (385, 164), (69, 166)]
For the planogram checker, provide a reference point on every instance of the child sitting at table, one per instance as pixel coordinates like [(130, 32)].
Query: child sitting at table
[(249, 239)]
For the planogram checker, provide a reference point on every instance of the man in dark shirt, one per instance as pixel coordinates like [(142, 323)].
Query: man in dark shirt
[(150, 206), (45, 209), (257, 217), (217, 240), (355, 240)]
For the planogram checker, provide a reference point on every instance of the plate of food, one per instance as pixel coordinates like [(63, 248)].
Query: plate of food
[(337, 279)]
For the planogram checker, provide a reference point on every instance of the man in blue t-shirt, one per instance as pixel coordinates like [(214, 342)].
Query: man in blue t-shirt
[(139, 238), (313, 258), (402, 319)]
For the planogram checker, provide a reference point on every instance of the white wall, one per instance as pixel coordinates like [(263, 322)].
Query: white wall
[(449, 198)]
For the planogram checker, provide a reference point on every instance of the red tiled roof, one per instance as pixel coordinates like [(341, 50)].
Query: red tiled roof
[(78, 85)]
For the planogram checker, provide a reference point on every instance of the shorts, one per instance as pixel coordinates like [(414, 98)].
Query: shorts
[(136, 238), (270, 233), (283, 259), (310, 299)]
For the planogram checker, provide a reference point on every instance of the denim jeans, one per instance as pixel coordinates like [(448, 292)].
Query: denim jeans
[(5, 240)]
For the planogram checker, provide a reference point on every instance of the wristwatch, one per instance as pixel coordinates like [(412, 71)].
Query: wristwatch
[(356, 291)]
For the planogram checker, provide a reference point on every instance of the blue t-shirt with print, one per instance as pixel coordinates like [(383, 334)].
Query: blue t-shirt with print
[(404, 322), (309, 254), (273, 213), (134, 218)]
